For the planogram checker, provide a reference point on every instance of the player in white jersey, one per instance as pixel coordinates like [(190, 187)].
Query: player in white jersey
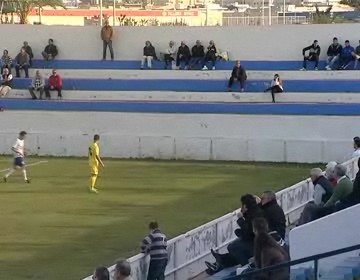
[(19, 153)]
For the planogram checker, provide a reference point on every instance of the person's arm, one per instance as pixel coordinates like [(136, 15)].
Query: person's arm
[(233, 73), (145, 245), (153, 53), (55, 51), (328, 53), (305, 50), (318, 50), (46, 50), (60, 82), (102, 34), (17, 60), (27, 61), (318, 194), (335, 196), (31, 53), (111, 33), (97, 155)]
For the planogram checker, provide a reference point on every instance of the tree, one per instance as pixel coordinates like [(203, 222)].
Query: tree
[(24, 7)]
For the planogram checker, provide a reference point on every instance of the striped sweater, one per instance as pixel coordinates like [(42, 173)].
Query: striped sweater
[(155, 244)]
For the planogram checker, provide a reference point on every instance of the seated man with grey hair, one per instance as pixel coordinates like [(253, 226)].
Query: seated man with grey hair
[(122, 270), (329, 172)]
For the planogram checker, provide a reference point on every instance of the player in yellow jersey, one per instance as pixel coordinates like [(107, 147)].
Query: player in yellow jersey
[(94, 161)]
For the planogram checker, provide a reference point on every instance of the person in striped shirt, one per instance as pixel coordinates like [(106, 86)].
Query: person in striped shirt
[(155, 244)]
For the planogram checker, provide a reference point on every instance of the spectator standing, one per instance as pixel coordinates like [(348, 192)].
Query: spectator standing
[(37, 84), (357, 55), (101, 273), (356, 152), (314, 54), (29, 51), (6, 83), (210, 56), (149, 55), (22, 61), (197, 55), (54, 83), (107, 36), (333, 54), (273, 213), (183, 56), (346, 56), (238, 74), (170, 55), (50, 51), (6, 61), (276, 86), (122, 270), (155, 244)]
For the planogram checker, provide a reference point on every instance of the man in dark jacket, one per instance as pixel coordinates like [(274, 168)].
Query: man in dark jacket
[(149, 54), (197, 55), (22, 61), (29, 51), (333, 54), (183, 55), (273, 213), (314, 54), (50, 51), (238, 74)]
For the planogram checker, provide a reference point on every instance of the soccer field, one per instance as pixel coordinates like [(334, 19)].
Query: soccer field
[(54, 229)]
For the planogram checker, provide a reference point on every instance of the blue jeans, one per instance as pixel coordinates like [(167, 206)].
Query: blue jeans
[(331, 60), (195, 61), (157, 269)]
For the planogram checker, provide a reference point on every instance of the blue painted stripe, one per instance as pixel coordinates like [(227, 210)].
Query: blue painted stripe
[(133, 64), (198, 85), (186, 107)]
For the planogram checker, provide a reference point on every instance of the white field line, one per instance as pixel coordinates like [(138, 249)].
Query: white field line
[(27, 165)]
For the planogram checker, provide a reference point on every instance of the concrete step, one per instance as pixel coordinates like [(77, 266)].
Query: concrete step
[(287, 97), (201, 75)]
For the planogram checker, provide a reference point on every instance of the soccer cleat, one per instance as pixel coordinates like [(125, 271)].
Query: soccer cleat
[(303, 69), (27, 181), (316, 69), (93, 190), (213, 68), (205, 68)]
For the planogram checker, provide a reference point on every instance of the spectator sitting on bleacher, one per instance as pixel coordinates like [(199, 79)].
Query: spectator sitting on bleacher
[(333, 54), (238, 74), (347, 56), (107, 36), (242, 249), (197, 55), (323, 190), (170, 55), (210, 56), (149, 55), (22, 61), (6, 61), (276, 86), (29, 51), (356, 152), (6, 83), (37, 84), (50, 51), (54, 83), (122, 270), (329, 172), (273, 213), (101, 273), (183, 56), (357, 56), (314, 54)]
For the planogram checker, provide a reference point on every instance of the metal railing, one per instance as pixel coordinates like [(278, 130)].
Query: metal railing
[(258, 20), (314, 258)]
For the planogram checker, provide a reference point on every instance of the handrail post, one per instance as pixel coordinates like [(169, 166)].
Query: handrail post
[(316, 268)]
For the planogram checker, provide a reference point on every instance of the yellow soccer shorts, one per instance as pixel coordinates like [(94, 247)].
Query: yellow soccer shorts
[(94, 170)]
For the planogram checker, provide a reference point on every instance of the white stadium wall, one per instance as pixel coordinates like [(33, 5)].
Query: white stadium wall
[(184, 136), (248, 43)]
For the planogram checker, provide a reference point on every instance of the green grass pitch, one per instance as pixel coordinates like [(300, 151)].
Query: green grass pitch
[(54, 229)]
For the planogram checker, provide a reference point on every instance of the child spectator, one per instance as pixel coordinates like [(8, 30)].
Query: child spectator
[(210, 56), (357, 55), (6, 83), (106, 36), (275, 87), (29, 52), (183, 55), (50, 51), (170, 54), (6, 61), (54, 83), (37, 84), (148, 55), (314, 53), (333, 54), (238, 74), (347, 55), (197, 55), (22, 61)]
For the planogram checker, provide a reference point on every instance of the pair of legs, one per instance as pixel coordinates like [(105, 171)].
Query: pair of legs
[(233, 79), (274, 89), (105, 45), (94, 172), (168, 60), (209, 58), (157, 269), (25, 67), (311, 58), (48, 89), (4, 90), (182, 61), (344, 62), (331, 60), (18, 164), (32, 93), (47, 56), (195, 61), (148, 59)]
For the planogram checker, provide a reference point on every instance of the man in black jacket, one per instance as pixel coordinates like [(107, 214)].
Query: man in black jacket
[(183, 55), (333, 54), (273, 213), (314, 54), (50, 51), (238, 74), (197, 55)]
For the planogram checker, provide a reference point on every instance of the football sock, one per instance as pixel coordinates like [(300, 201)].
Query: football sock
[(93, 181), (24, 173)]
